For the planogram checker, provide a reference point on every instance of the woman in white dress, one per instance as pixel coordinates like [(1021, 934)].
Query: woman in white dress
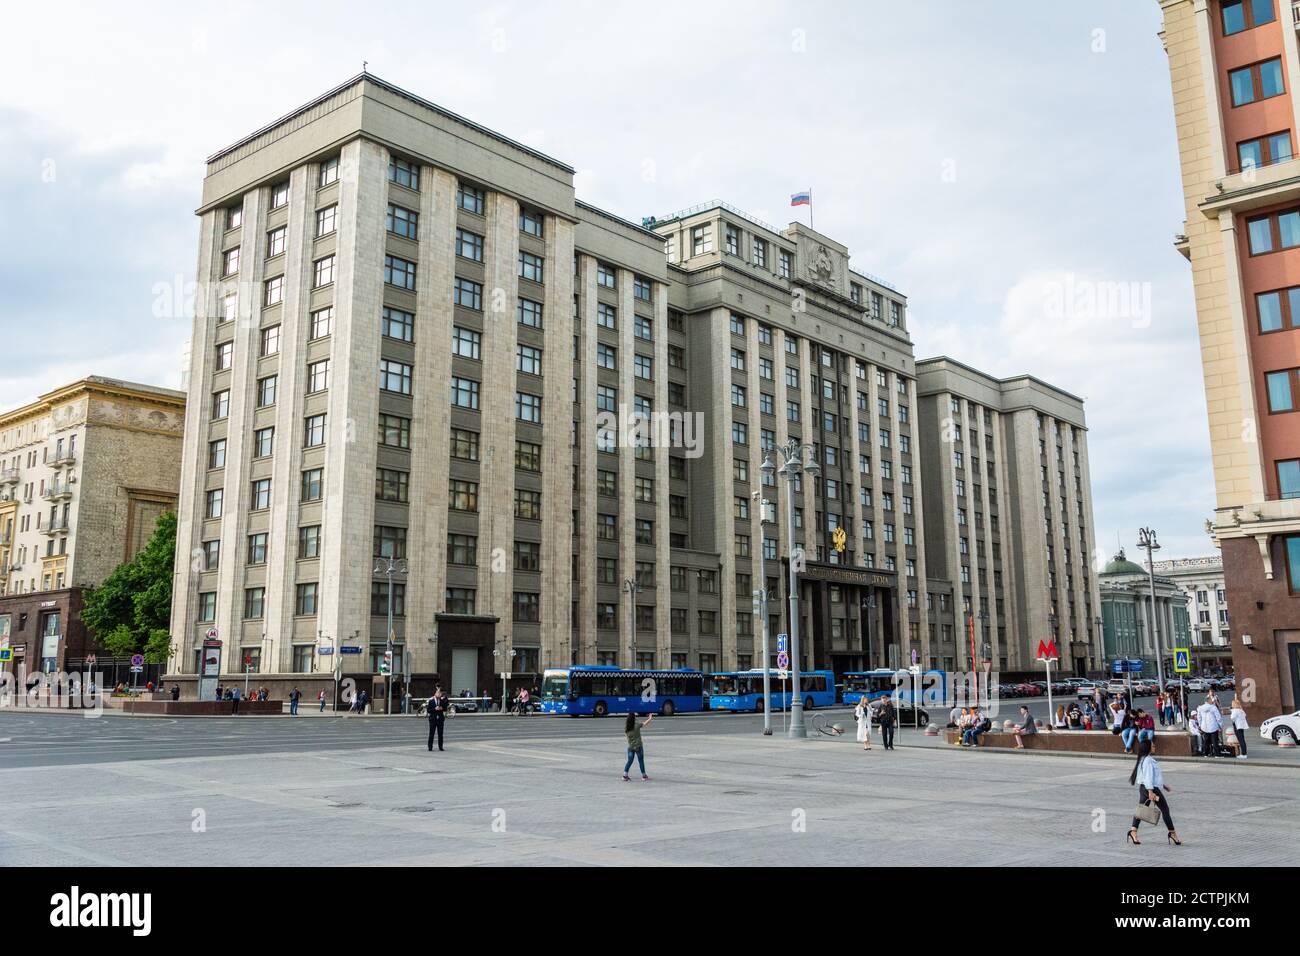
[(862, 713)]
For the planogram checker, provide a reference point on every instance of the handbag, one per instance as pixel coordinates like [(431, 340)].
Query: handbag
[(1147, 813)]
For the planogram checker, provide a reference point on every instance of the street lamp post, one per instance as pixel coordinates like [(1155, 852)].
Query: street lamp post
[(760, 608), (389, 568), (506, 655), (633, 587), (1100, 638), (1147, 542), (792, 455)]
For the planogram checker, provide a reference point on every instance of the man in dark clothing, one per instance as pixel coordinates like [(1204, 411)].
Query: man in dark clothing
[(888, 718), (437, 715), (234, 696), (294, 695), (176, 691)]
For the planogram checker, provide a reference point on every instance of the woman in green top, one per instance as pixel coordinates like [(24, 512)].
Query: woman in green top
[(634, 745)]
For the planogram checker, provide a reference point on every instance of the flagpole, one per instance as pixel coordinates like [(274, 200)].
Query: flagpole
[(810, 212)]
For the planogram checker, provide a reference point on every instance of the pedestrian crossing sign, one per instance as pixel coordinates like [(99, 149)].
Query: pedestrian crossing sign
[(6, 654), (1182, 660)]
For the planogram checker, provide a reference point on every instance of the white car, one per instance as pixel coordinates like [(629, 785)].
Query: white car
[(1279, 728), (1197, 683)]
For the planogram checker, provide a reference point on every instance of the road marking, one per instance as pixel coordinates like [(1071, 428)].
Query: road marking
[(517, 753)]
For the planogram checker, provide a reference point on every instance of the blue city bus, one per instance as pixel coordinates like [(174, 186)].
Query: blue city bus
[(880, 683), (598, 691), (743, 690)]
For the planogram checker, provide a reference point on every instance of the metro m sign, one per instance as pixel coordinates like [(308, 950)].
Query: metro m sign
[(1047, 651)]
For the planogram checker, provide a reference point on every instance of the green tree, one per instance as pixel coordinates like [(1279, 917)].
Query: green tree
[(130, 612)]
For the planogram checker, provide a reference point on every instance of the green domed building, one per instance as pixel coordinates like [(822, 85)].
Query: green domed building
[(1126, 614)]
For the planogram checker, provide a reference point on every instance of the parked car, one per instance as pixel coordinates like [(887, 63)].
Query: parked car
[(1085, 689), (1281, 727), (1116, 687), (1198, 683)]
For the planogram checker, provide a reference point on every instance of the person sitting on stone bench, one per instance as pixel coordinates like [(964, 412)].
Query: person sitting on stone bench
[(980, 724), (1025, 728)]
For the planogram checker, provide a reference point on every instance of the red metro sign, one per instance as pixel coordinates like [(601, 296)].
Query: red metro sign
[(1047, 651)]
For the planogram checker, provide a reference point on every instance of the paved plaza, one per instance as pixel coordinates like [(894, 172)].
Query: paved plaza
[(547, 791)]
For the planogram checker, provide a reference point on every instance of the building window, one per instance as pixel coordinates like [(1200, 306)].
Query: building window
[(463, 495), (643, 328), (1281, 390), (266, 389), (213, 503), (737, 324), (460, 600), (1288, 478), (469, 245), (211, 555), (280, 194), (399, 272), (230, 262), (390, 485), (254, 602), (312, 483), (528, 456), (322, 320), (606, 356), (305, 599), (403, 222), (314, 431), (785, 264), (466, 342), (1258, 81), (531, 267), (464, 392), (528, 360), (1264, 151), (326, 220), (528, 504), (526, 607), (530, 222), (464, 444), (275, 242), (260, 494), (224, 354), (404, 173), (701, 240), (208, 606), (323, 272), (1279, 309), (641, 289), (309, 541), (760, 253), (528, 556), (318, 376), (471, 199), (398, 324), (528, 408), (468, 294), (394, 377), (1239, 15), (733, 240), (217, 453), (529, 313), (257, 548), (394, 432), (329, 171), (606, 276)]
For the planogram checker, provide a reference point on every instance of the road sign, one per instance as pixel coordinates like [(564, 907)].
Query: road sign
[(6, 654), (323, 651), (1182, 660), (916, 657), (1126, 666), (780, 643), (783, 660), (137, 660), (349, 649), (780, 675), (211, 634), (136, 670)]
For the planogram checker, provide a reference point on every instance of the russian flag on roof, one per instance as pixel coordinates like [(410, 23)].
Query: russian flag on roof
[(803, 198)]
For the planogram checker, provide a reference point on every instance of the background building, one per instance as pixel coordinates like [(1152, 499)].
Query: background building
[(1201, 579), (85, 471), (1126, 612), (1233, 67), (1010, 523), (345, 247)]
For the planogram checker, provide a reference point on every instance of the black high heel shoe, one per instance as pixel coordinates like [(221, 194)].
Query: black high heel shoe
[(1173, 838), (1133, 836)]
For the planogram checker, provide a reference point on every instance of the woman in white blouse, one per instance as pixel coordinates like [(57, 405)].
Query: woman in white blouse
[(1239, 727), (862, 713), (1151, 788)]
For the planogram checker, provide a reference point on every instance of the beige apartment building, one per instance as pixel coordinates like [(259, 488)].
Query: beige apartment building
[(417, 345), (85, 471), (1010, 515), (1233, 68)]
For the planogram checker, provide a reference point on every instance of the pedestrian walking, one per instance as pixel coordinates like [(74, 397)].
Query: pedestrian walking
[(862, 714), (888, 721), (1152, 791), (321, 698), (1237, 717), (635, 748), (437, 716), (294, 696)]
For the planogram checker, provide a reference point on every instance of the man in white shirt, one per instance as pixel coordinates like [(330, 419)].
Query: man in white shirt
[(1211, 720)]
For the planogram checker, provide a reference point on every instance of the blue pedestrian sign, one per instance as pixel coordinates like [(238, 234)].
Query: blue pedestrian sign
[(1182, 660), (780, 643)]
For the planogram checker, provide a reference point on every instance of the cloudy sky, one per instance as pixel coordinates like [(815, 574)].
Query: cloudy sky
[(1011, 167)]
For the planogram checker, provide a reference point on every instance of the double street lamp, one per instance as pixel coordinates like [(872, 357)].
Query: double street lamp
[(633, 587), (1148, 543), (390, 568), (792, 455)]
